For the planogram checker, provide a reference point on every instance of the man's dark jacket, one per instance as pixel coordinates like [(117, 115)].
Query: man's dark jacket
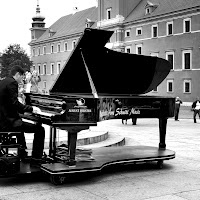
[(194, 104), (10, 107)]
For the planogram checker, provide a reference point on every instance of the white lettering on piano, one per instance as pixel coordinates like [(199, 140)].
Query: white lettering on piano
[(80, 110), (106, 113), (134, 111), (120, 111), (73, 110), (85, 110)]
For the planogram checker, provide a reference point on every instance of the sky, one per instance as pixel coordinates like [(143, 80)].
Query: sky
[(16, 18)]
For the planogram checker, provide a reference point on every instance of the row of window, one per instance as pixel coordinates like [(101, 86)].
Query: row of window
[(149, 8), (169, 29), (186, 56), (186, 59), (186, 86), (43, 70), (154, 34), (55, 48), (170, 86)]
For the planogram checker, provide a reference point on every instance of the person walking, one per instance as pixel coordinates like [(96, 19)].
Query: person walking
[(178, 102), (196, 109)]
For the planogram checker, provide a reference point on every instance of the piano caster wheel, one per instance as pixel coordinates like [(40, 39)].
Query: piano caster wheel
[(160, 164), (57, 179), (71, 163)]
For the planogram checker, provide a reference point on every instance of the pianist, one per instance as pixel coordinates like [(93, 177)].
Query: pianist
[(10, 119)]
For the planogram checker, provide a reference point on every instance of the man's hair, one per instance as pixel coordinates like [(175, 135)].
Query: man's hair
[(15, 69)]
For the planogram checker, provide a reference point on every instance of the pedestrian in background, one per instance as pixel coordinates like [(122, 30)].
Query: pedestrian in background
[(196, 109), (178, 102)]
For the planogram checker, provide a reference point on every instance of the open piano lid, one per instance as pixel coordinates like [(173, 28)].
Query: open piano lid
[(93, 68)]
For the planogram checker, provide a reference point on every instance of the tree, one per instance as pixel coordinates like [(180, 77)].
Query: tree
[(14, 54)]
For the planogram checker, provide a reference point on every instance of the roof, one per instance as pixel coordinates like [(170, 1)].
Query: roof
[(75, 23), (163, 7), (69, 24)]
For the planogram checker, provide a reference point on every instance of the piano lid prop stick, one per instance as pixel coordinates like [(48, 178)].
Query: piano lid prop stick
[(94, 91)]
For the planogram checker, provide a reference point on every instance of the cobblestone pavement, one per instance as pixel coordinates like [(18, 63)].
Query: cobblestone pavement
[(185, 112), (178, 180)]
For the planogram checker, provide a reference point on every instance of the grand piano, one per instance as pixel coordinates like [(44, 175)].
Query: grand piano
[(98, 84)]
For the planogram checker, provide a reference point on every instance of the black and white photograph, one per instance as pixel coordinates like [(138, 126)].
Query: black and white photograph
[(100, 100)]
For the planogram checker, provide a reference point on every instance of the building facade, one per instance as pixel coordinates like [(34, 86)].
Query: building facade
[(165, 28)]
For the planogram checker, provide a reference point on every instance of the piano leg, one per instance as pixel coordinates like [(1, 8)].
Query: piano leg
[(162, 130), (52, 142), (72, 138)]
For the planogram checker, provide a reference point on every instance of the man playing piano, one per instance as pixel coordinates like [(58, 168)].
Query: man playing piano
[(10, 119)]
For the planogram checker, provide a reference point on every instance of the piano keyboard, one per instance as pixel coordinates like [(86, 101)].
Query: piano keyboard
[(47, 114)]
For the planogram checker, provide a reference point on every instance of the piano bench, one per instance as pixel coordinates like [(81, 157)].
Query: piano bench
[(8, 140)]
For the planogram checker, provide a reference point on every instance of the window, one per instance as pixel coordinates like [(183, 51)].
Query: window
[(150, 7), (139, 49), (44, 69), (108, 13), (73, 44), (52, 48), (138, 31), (52, 68), (127, 33), (186, 25), (187, 86), (58, 68), (65, 46), (169, 28), (148, 10), (170, 58), (33, 52), (45, 84), (58, 47), (44, 50), (50, 34), (154, 31), (32, 35), (38, 51), (39, 69), (187, 59), (127, 49), (170, 86)]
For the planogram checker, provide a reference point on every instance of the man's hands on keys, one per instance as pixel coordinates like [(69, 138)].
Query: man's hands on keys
[(36, 110)]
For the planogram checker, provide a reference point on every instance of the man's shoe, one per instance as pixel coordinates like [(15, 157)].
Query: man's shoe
[(71, 163)]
